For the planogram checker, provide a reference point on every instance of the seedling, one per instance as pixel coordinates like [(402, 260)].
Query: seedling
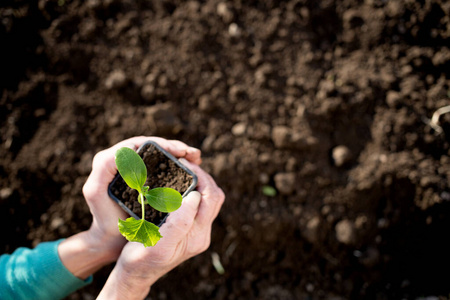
[(134, 172), (269, 191)]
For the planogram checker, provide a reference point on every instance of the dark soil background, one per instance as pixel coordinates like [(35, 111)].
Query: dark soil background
[(329, 102)]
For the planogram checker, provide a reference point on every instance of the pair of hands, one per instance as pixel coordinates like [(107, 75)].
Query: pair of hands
[(186, 231)]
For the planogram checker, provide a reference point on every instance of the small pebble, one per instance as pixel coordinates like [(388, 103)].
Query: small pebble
[(341, 155)]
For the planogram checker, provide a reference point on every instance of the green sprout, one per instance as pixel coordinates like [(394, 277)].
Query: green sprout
[(269, 191), (134, 172)]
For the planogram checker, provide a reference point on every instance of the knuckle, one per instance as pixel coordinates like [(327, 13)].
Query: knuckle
[(134, 260), (218, 196), (88, 191), (205, 245), (221, 196), (87, 188), (202, 245), (98, 158)]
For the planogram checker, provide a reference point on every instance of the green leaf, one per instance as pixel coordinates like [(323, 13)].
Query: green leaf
[(269, 191), (140, 231), (164, 199), (131, 167)]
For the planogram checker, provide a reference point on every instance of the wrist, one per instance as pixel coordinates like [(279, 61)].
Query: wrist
[(83, 254), (124, 285), (109, 247)]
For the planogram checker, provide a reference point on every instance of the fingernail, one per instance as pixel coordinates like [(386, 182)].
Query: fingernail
[(192, 150), (183, 160)]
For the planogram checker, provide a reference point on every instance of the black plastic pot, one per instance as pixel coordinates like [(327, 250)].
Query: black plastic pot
[(119, 181)]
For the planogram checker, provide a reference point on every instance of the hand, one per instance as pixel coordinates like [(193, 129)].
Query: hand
[(187, 232), (106, 212), (103, 241)]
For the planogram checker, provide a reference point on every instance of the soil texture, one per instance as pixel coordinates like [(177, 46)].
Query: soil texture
[(329, 103)]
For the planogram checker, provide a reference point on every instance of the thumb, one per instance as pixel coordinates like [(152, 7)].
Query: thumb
[(180, 221), (192, 201)]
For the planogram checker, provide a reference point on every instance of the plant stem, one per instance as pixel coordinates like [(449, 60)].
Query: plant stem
[(141, 199)]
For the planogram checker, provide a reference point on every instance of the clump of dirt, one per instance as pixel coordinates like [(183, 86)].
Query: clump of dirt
[(327, 102)]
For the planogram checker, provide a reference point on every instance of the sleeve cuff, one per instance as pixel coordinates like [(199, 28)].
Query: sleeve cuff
[(38, 274), (61, 279)]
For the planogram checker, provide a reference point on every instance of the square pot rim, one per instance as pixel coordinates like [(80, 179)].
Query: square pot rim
[(171, 157)]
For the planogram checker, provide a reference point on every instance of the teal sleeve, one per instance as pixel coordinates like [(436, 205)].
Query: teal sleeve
[(37, 274)]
